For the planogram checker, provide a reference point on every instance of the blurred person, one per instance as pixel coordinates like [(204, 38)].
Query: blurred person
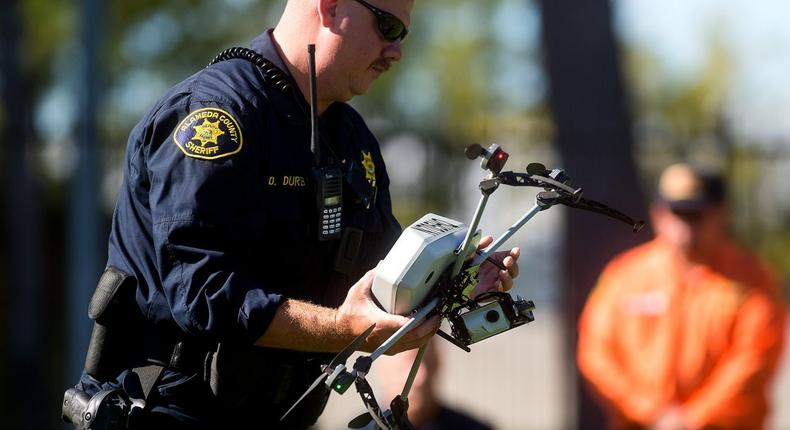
[(685, 331), (426, 410), (226, 289)]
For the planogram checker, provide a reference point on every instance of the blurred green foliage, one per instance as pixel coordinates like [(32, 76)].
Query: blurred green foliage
[(471, 73), (448, 89)]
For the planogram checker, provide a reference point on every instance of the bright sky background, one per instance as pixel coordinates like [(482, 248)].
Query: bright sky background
[(755, 32)]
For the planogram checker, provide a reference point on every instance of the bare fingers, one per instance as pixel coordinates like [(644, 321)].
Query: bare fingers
[(418, 337)]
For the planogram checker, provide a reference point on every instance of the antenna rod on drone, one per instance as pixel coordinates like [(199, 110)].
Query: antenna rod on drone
[(314, 145)]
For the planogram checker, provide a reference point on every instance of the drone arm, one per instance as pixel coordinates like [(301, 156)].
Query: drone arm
[(413, 321), (470, 232), (487, 187), (506, 235)]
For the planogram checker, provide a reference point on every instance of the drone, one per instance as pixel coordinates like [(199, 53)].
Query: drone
[(432, 270)]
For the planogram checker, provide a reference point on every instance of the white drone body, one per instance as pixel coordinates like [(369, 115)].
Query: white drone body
[(416, 262)]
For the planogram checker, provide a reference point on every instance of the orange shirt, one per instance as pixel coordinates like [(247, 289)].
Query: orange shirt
[(657, 331)]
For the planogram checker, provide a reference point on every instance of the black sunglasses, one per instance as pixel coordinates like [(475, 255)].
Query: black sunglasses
[(390, 27)]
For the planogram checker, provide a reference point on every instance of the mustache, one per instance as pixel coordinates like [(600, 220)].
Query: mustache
[(382, 63)]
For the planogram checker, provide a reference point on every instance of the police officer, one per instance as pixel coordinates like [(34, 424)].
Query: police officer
[(218, 226)]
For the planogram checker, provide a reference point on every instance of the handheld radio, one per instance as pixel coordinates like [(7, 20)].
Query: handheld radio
[(328, 180), (329, 199)]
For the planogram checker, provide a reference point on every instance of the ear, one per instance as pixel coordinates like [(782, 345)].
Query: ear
[(327, 12)]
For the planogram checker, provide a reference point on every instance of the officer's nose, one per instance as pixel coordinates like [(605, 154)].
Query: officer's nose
[(392, 51)]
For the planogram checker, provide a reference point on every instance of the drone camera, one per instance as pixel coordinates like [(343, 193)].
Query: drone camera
[(492, 318)]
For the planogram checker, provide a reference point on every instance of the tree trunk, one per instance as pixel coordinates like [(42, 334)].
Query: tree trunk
[(593, 131), (83, 242)]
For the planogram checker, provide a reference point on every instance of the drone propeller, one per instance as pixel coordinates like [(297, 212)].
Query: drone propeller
[(333, 368), (555, 182), (543, 180), (361, 421), (536, 169), (592, 206)]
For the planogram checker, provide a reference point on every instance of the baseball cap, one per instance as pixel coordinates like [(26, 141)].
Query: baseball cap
[(687, 188)]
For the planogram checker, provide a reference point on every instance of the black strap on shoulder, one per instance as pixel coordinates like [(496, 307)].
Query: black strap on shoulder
[(271, 73)]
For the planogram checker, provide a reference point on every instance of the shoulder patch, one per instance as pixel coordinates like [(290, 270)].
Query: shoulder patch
[(208, 133)]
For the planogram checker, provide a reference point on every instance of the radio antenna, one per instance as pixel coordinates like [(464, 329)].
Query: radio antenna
[(314, 143)]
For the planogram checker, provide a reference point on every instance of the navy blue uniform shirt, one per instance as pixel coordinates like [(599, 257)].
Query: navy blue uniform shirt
[(216, 217), (217, 243)]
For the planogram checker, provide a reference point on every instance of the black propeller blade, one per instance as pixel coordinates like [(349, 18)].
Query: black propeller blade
[(340, 359), (343, 355), (361, 421), (315, 385)]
